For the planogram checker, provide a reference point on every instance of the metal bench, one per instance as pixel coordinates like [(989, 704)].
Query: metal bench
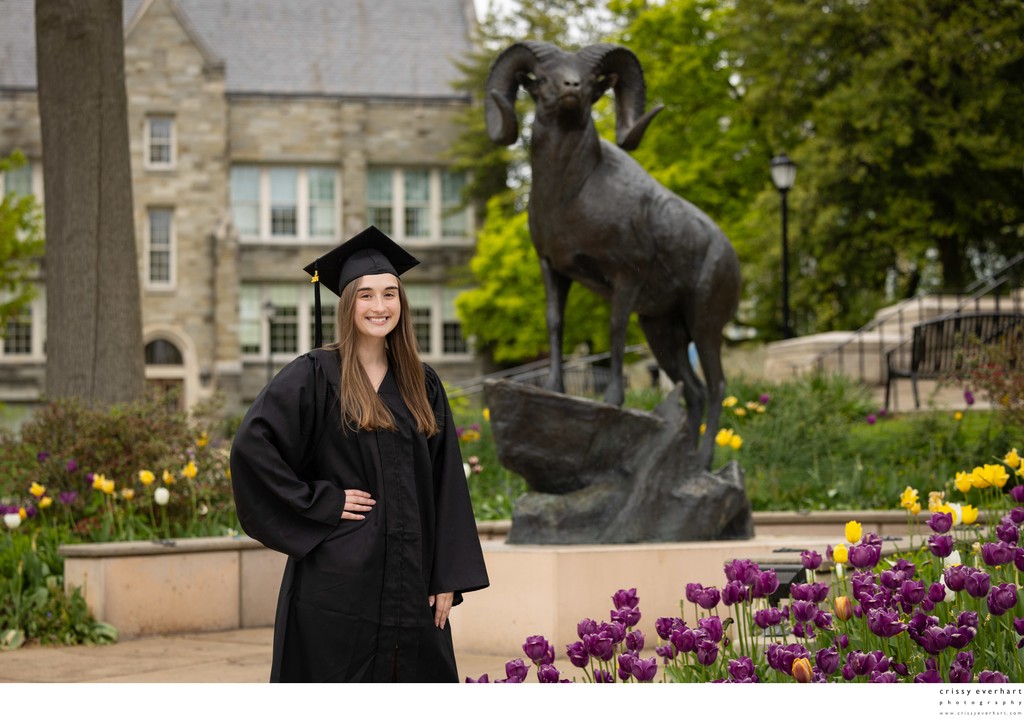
[(940, 347)]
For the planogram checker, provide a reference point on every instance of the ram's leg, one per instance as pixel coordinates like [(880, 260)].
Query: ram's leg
[(556, 290), (669, 340), (709, 350), (623, 299)]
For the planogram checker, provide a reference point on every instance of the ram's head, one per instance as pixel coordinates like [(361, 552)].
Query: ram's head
[(565, 86)]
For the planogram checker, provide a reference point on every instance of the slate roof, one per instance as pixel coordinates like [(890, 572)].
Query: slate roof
[(365, 48)]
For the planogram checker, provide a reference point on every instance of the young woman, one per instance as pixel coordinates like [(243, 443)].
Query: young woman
[(348, 463)]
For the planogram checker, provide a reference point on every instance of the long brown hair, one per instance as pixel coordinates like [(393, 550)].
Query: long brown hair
[(361, 406)]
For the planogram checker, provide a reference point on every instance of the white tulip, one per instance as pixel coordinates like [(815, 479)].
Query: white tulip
[(13, 520), (162, 496)]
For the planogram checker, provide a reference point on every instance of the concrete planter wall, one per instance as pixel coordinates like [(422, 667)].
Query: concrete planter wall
[(214, 584)]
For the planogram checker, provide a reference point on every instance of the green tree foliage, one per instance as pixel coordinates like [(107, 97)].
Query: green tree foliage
[(21, 246)]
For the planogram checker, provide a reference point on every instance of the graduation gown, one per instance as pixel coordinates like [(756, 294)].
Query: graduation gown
[(353, 603)]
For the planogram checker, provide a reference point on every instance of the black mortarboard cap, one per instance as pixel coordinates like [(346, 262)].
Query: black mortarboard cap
[(371, 252)]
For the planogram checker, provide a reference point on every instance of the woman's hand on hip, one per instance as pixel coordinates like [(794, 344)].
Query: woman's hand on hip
[(357, 504), (442, 604)]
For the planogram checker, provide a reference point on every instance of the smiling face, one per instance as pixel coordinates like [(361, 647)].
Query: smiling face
[(377, 306)]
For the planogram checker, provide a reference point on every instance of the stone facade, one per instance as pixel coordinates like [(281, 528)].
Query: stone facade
[(202, 275)]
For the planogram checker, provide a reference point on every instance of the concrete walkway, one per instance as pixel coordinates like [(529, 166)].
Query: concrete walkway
[(240, 656)]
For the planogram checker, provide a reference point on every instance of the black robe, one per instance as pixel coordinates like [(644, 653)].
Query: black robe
[(353, 604)]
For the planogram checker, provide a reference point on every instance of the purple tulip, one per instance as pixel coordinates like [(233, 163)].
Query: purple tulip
[(1007, 531), (516, 671), (977, 583), (67, 497), (734, 592), (1018, 625), (684, 640), (742, 669), (615, 630), (781, 657), (823, 620), (765, 398), (635, 641), (885, 623), (548, 674), (1017, 513), (878, 677), (770, 617), (871, 419), (804, 611), (810, 559), (482, 680), (960, 670), (987, 676), (968, 397), (765, 584), (940, 522), (997, 553), (644, 670), (961, 636), (693, 589), (742, 570), (967, 619), (536, 648), (912, 592), (708, 597), (1002, 598), (941, 545), (707, 652), (827, 660), (931, 674), (585, 627), (956, 577), (42, 457), (603, 677), (803, 631), (864, 556), (625, 598), (664, 626), (578, 655), (933, 639), (860, 663), (626, 661), (627, 616), (1018, 558), (599, 646), (712, 626), (937, 592), (667, 652), (1017, 493), (72, 466)]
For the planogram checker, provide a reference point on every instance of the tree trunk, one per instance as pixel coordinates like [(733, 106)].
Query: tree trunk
[(94, 320)]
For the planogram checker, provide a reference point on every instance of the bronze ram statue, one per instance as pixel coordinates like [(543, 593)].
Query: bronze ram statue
[(597, 217)]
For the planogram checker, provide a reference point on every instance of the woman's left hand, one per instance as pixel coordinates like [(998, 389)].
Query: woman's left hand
[(442, 604)]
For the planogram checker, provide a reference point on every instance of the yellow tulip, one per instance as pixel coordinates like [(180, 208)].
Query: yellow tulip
[(146, 477), (760, 409), (964, 482), (736, 442), (45, 502), (740, 412), (204, 439), (970, 514), (108, 486), (37, 490), (958, 416), (98, 480), (487, 414), (915, 508), (854, 531), (128, 494), (703, 427), (729, 401), (801, 670), (724, 437), (909, 497), (936, 500), (189, 471), (995, 474), (168, 477), (22, 513), (753, 406), (840, 554), (1012, 459), (844, 608)]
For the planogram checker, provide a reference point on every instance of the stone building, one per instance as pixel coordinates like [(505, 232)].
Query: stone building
[(263, 133)]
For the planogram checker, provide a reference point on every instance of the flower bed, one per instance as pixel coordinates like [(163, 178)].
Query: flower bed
[(947, 609)]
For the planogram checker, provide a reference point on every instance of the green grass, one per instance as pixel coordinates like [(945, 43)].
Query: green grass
[(812, 448)]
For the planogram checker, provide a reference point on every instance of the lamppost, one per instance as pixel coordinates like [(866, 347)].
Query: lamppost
[(269, 311), (783, 177)]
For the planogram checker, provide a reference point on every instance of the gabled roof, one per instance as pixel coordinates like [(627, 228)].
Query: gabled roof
[(368, 48)]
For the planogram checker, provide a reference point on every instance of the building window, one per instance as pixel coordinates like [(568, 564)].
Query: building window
[(282, 318), (18, 340), (285, 203), (160, 142), (164, 353), (160, 254), (427, 200), (437, 327), (17, 180)]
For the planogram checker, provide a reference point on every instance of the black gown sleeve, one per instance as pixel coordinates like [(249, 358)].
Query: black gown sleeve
[(458, 558), (280, 501)]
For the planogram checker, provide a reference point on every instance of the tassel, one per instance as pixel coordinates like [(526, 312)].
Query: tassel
[(319, 335)]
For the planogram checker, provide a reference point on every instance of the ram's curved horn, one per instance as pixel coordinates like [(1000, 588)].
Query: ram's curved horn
[(502, 84), (630, 90)]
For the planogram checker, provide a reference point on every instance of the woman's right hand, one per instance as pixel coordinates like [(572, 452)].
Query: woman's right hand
[(357, 503)]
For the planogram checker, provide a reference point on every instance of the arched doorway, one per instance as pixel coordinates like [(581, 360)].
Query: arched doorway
[(165, 372)]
